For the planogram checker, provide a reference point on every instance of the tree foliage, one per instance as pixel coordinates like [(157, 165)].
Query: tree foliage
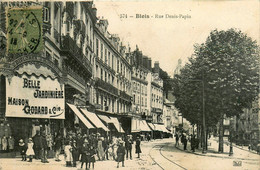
[(228, 64), (167, 85)]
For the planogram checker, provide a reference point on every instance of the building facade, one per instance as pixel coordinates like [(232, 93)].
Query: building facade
[(246, 127), (112, 75), (74, 77), (156, 94), (140, 95)]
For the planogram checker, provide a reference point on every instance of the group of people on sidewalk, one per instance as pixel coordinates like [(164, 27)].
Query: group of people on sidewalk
[(194, 142), (89, 148), (36, 147), (81, 148)]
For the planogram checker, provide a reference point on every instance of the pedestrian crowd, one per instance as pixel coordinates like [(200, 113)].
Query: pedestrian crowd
[(194, 142), (85, 149)]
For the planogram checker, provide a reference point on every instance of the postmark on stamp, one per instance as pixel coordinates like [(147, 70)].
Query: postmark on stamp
[(24, 29)]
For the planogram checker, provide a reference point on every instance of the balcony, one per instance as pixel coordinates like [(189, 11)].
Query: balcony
[(70, 9), (75, 75), (106, 87), (70, 48), (79, 27), (56, 36), (157, 110), (125, 96)]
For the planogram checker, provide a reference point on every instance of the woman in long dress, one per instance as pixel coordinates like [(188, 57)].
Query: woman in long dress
[(30, 151), (100, 149), (67, 153)]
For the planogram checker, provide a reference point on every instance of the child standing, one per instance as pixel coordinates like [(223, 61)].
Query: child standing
[(67, 153), (22, 148), (30, 151)]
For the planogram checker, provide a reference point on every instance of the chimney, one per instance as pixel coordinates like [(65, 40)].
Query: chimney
[(156, 67), (145, 62), (94, 9), (149, 64), (139, 58)]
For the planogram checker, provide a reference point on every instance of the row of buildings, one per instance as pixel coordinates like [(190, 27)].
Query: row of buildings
[(244, 130), (72, 74)]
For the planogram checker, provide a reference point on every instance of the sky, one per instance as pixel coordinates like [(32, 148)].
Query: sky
[(168, 39)]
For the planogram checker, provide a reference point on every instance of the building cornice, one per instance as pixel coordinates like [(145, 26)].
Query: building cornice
[(110, 45)]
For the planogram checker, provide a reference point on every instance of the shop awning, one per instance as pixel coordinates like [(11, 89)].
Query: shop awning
[(135, 125), (80, 116), (117, 124), (105, 118), (158, 127), (151, 126), (94, 119), (144, 127), (163, 128)]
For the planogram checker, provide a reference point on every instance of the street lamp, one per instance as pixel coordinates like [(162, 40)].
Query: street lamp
[(230, 134)]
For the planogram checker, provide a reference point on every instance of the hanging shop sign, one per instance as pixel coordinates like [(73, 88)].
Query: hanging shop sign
[(34, 97)]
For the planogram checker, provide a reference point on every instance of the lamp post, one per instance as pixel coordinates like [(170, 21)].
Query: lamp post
[(230, 134)]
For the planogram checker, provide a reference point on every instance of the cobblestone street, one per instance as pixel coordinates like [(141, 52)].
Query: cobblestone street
[(158, 154)]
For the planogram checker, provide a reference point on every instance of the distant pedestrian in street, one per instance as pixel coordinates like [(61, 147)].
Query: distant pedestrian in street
[(121, 154), (85, 153), (4, 143), (193, 143), (100, 149), (75, 152), (137, 146), (176, 139), (105, 145), (22, 148), (58, 145), (11, 143), (44, 148), (182, 138), (37, 145), (92, 153), (128, 146), (115, 146), (110, 152), (30, 151), (67, 153), (185, 142)]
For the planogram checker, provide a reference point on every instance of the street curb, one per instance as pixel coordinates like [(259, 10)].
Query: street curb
[(214, 156), (234, 145), (241, 148)]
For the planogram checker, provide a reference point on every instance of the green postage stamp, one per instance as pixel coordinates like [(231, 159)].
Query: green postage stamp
[(24, 29)]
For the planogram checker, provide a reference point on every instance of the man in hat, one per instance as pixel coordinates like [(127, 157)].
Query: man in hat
[(121, 153), (37, 144), (128, 146), (44, 148), (74, 152), (137, 146)]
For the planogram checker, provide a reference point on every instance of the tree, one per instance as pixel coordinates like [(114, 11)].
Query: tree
[(228, 64), (167, 86)]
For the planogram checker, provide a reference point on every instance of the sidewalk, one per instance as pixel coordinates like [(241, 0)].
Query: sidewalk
[(239, 154), (142, 163)]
